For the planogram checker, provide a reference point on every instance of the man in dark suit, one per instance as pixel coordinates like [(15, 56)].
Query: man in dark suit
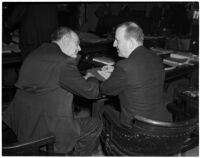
[(138, 79), (43, 102)]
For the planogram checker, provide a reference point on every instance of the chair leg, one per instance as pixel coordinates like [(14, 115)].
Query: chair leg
[(50, 148)]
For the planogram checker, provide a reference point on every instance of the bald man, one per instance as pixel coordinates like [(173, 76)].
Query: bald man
[(43, 103)]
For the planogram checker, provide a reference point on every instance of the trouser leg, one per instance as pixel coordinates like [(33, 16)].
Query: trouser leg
[(113, 114), (89, 137), (99, 108)]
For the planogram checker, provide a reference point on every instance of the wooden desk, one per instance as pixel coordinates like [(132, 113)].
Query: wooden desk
[(184, 71), (154, 41), (11, 63), (189, 103), (11, 58), (180, 72)]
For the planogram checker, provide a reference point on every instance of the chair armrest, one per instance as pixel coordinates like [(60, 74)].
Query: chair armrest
[(192, 121), (32, 144)]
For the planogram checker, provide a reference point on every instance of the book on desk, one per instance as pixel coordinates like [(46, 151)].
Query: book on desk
[(179, 59)]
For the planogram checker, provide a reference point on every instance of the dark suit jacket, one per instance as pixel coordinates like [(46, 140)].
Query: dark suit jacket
[(138, 81), (43, 102)]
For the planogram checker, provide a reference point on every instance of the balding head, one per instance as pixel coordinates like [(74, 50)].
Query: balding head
[(67, 40), (60, 32), (128, 36), (132, 30)]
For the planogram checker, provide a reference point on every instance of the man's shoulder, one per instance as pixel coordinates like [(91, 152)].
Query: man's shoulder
[(122, 63), (125, 64), (49, 52), (43, 49), (145, 54)]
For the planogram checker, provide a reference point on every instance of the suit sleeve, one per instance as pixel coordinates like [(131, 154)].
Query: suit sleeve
[(115, 83), (71, 80)]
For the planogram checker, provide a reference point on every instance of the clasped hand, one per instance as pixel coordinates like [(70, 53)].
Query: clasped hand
[(106, 71), (101, 74), (107, 68)]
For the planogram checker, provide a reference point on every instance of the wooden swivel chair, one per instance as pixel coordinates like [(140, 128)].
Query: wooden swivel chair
[(31, 148), (11, 147), (147, 137)]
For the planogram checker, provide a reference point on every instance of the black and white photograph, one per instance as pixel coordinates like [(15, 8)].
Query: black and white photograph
[(100, 78)]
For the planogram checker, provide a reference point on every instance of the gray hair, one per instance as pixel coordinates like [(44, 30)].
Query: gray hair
[(60, 32), (133, 30)]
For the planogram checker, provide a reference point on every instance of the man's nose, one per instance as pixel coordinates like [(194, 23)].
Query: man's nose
[(79, 48), (114, 44)]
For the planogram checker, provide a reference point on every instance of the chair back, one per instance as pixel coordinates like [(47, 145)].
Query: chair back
[(146, 137), (31, 148)]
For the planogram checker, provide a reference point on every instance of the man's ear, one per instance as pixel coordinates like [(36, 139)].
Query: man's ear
[(65, 39), (131, 43)]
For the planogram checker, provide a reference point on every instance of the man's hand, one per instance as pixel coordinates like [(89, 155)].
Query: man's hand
[(104, 74), (107, 68), (101, 74)]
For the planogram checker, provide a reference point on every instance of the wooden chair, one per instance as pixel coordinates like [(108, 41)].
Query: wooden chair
[(31, 148), (147, 137)]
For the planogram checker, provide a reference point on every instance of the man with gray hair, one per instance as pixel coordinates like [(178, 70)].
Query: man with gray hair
[(137, 80), (43, 102)]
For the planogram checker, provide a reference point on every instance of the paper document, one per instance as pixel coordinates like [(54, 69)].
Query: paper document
[(178, 56), (104, 74), (172, 62), (104, 60)]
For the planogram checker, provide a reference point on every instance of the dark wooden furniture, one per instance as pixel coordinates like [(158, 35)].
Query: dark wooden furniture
[(31, 148), (11, 63), (185, 104), (43, 146), (11, 58), (147, 137), (184, 71)]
